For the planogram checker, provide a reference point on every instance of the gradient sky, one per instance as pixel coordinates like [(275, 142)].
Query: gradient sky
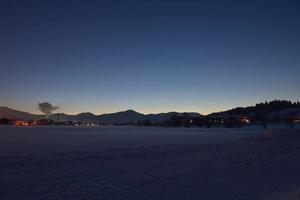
[(151, 56)]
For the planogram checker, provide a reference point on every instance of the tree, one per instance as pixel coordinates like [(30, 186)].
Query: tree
[(291, 119)]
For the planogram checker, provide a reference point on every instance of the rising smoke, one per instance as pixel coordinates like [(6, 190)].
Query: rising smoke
[(47, 108)]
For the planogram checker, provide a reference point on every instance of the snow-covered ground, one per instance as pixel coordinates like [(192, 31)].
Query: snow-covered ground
[(149, 163)]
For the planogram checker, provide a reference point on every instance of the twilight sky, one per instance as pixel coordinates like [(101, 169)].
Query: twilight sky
[(151, 56)]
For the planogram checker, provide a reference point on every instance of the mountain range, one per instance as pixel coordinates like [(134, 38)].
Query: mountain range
[(277, 109), (111, 118)]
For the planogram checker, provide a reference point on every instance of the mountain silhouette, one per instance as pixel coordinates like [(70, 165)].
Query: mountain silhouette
[(9, 113), (273, 110), (122, 117)]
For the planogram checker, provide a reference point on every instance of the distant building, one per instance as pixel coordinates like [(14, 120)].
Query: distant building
[(296, 119), (21, 123), (33, 123), (45, 122), (5, 121), (245, 119)]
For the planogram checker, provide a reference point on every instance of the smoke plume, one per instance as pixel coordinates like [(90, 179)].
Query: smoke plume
[(47, 108)]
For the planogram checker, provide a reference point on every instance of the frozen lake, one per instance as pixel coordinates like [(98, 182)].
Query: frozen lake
[(149, 163), (37, 140)]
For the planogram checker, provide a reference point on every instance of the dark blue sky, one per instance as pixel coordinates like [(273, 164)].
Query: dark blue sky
[(151, 56)]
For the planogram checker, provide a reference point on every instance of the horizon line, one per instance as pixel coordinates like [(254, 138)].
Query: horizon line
[(130, 109)]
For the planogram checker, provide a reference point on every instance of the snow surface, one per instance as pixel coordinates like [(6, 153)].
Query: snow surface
[(149, 163)]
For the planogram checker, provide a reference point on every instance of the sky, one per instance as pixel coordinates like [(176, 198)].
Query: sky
[(151, 56)]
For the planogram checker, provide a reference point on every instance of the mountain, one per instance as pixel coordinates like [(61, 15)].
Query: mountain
[(86, 117), (121, 117), (133, 116), (167, 116), (9, 113), (81, 117)]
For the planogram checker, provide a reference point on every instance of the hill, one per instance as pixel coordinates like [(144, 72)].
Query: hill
[(280, 109)]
